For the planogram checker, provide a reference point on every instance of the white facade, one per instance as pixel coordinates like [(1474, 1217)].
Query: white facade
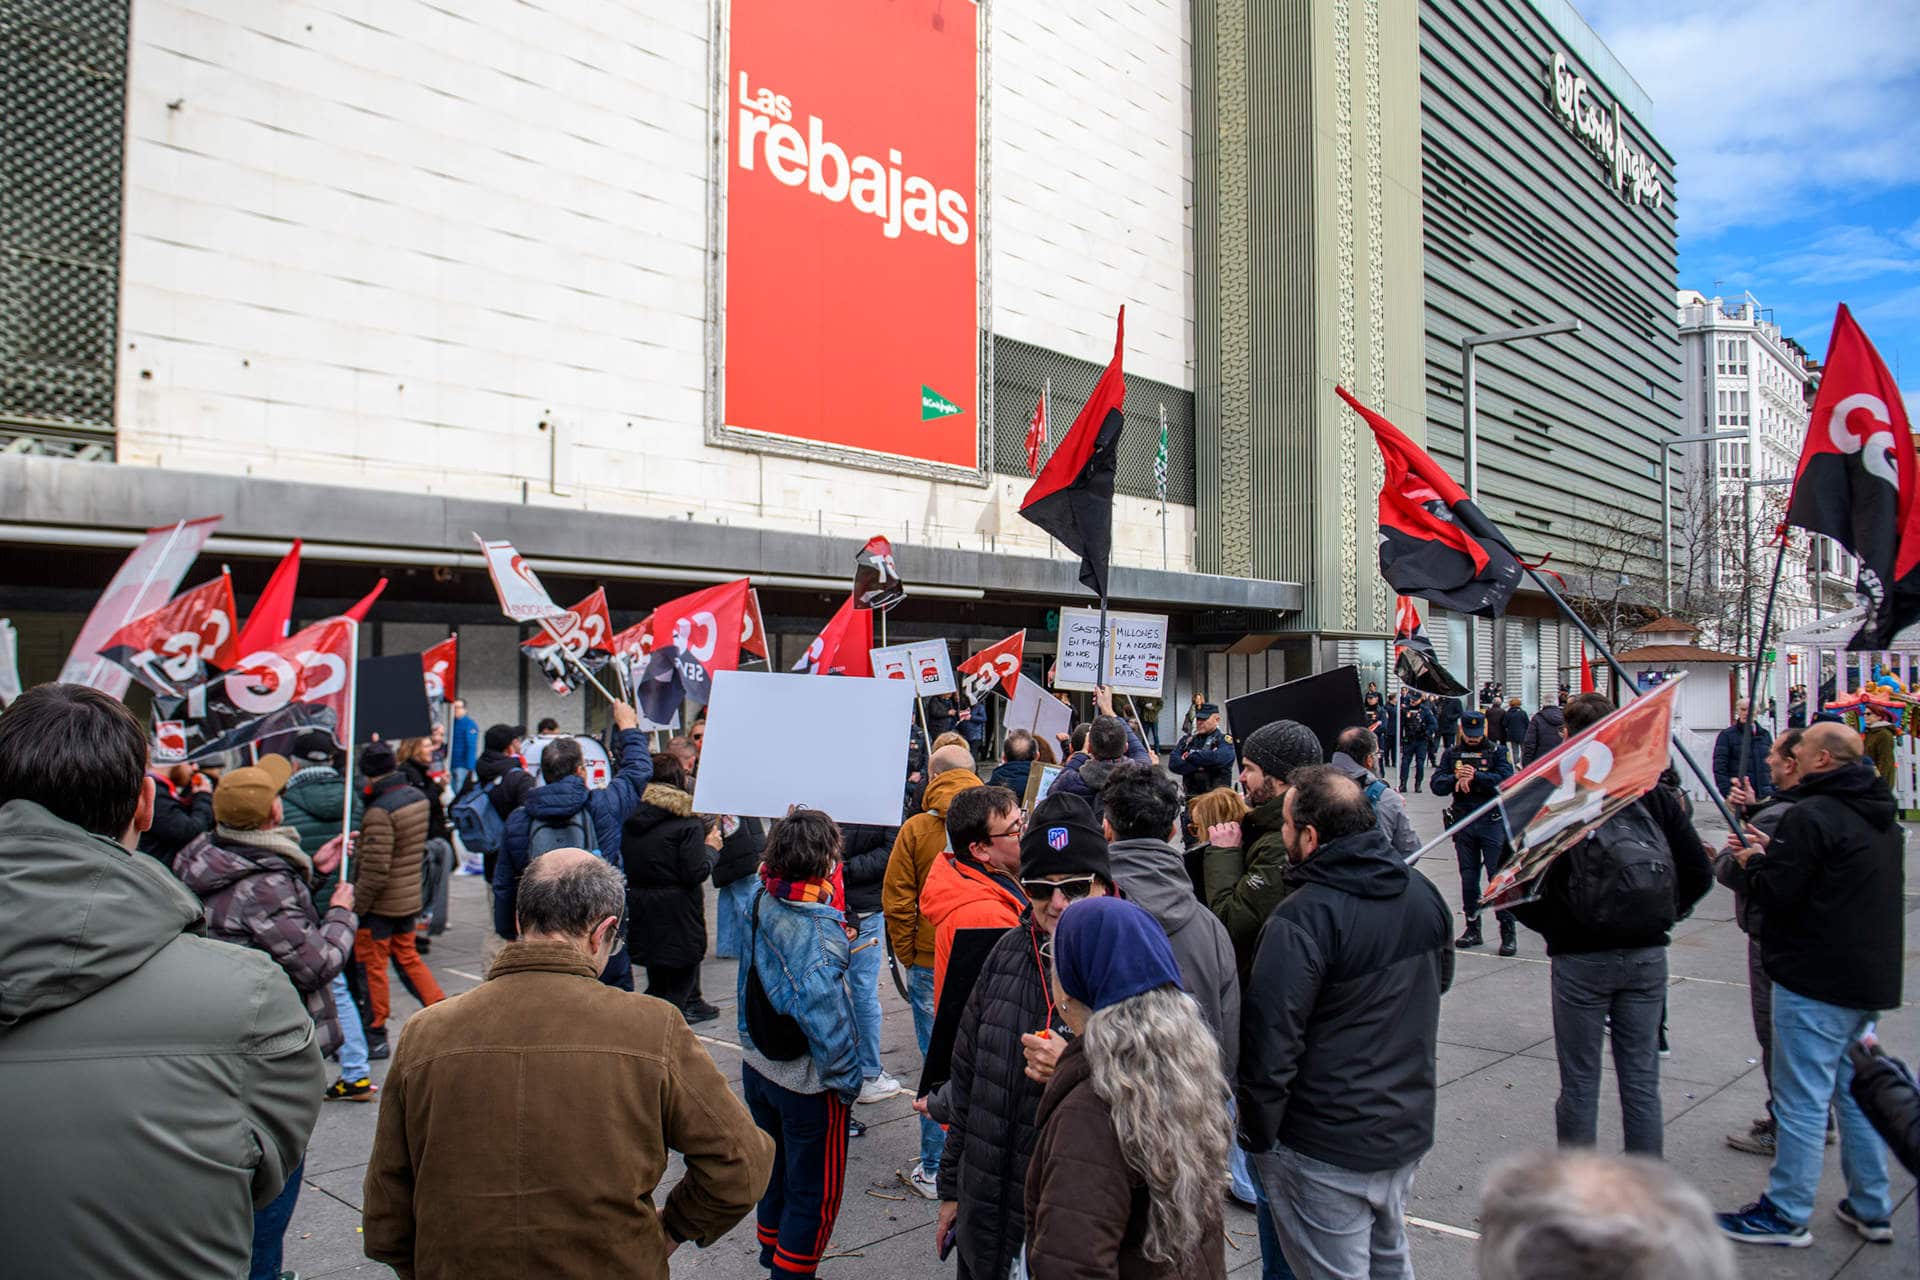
[(1741, 375), (445, 250)]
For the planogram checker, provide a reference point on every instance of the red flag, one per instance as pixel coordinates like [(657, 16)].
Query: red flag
[(1858, 481), (585, 631), (267, 624), (1553, 803), (708, 626), (440, 668), (175, 645), (1586, 669), (876, 578), (996, 665), (842, 647), (304, 681), (359, 612), (753, 628), (142, 584), (1073, 497), (1415, 660), (1036, 434)]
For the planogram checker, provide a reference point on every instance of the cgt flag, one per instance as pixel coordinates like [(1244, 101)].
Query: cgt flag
[(1858, 481), (302, 682), (522, 598), (843, 647), (876, 579), (440, 668), (1415, 661), (1434, 542), (145, 579), (995, 667), (1036, 433), (673, 652), (177, 644), (1553, 803), (579, 638), (1073, 497)]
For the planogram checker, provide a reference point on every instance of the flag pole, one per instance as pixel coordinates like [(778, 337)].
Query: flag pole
[(346, 790), (566, 655), (1465, 822), (1759, 652)]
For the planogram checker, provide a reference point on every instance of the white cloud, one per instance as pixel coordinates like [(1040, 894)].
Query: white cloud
[(1770, 106)]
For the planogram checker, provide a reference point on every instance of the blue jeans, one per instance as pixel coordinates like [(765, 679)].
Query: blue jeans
[(933, 1138), (270, 1228), (863, 984), (1810, 1070), (353, 1037), (1273, 1263), (730, 928)]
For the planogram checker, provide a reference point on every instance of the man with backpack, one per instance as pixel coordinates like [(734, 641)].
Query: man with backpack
[(565, 814), (480, 814), (1605, 910)]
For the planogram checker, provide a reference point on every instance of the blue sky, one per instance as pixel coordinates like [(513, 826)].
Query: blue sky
[(1795, 129)]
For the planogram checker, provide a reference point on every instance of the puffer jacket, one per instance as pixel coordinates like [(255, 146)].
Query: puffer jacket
[(922, 838), (314, 804), (254, 886), (1245, 884), (667, 864), (422, 781), (1885, 1090), (993, 1107), (515, 782), (391, 850), (1153, 874), (163, 1086), (1547, 730), (800, 952), (864, 853), (557, 802), (964, 894), (1339, 1031), (1086, 1207)]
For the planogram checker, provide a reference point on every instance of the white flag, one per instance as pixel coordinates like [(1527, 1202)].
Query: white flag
[(522, 598), (146, 580)]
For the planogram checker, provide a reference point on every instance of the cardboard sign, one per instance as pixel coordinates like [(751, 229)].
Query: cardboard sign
[(762, 753), (1039, 713), (925, 664), (1040, 780), (1136, 652), (1328, 703)]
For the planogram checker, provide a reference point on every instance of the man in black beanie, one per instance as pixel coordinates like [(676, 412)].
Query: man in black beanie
[(1247, 860), (500, 771), (1008, 1042)]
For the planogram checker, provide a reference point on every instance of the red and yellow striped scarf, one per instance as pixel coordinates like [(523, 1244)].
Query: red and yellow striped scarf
[(811, 889)]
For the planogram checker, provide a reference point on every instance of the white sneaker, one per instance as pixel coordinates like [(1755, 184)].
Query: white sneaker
[(927, 1188), (879, 1089)]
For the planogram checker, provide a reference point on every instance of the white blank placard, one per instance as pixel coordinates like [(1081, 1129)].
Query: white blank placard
[(764, 749)]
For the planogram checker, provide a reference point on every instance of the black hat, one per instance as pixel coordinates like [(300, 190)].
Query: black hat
[(500, 736), (315, 746), (1063, 839), (1207, 709), (376, 760), (1281, 747), (1472, 722)]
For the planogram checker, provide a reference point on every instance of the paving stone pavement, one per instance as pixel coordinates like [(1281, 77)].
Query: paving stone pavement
[(1497, 1088)]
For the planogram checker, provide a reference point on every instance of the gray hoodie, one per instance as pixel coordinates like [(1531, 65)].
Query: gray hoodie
[(1389, 807), (1153, 875), (161, 1086)]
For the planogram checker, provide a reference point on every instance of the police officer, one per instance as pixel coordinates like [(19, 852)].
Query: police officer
[(1417, 730), (1471, 772), (1204, 759)]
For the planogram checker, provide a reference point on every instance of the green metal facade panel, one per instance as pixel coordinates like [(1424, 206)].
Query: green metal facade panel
[(1523, 227)]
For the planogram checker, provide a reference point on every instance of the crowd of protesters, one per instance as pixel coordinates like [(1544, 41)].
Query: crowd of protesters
[(1165, 983)]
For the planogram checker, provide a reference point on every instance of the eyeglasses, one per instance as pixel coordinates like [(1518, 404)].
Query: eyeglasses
[(1073, 889), (1019, 827)]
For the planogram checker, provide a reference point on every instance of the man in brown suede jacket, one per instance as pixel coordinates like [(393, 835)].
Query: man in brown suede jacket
[(525, 1125)]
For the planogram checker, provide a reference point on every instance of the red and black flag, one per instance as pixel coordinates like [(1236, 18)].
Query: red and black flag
[(1073, 497), (179, 643), (1414, 658), (876, 579), (1434, 542), (1859, 483)]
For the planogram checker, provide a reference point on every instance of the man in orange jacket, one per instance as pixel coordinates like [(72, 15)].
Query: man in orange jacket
[(977, 884)]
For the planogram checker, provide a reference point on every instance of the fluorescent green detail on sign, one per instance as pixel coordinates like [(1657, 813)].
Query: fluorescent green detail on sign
[(934, 405)]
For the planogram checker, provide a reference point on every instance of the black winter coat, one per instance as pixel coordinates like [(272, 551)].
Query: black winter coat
[(740, 853), (1340, 1020), (1013, 775), (1831, 888), (1513, 726), (1885, 1090), (421, 781), (1447, 717), (667, 864), (177, 822), (1553, 919), (864, 851), (1547, 730), (992, 1104), (512, 792)]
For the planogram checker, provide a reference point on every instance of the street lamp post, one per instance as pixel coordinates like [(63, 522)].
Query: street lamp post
[(1666, 498), (1469, 389)]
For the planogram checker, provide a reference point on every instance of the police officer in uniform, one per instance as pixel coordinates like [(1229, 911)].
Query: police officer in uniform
[(1471, 772)]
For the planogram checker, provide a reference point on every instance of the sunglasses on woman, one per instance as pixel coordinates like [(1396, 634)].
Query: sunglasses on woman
[(1074, 889)]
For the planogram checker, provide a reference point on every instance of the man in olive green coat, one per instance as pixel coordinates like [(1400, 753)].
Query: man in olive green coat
[(1246, 865), (160, 1086)]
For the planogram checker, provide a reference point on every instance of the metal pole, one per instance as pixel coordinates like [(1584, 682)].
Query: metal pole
[(346, 798), (1759, 652), (1471, 448), (1162, 486)]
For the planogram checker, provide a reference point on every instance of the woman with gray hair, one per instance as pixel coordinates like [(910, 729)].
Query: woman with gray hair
[(1584, 1216), (1125, 1177)]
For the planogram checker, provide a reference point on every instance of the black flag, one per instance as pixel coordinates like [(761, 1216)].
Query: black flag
[(1415, 661), (1073, 497)]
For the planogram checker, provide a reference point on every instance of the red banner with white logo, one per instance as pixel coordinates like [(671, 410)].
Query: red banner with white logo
[(996, 666), (440, 667), (302, 682), (843, 647), (581, 636), (708, 626), (149, 574), (177, 644)]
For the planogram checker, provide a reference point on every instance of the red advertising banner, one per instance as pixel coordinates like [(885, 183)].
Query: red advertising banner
[(852, 197)]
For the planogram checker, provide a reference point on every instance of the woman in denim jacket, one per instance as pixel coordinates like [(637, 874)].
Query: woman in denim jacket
[(797, 947)]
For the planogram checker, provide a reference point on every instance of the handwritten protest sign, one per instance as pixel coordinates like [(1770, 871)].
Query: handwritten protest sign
[(1136, 652)]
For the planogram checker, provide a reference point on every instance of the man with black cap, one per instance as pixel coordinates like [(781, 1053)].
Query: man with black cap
[(1246, 868), (1008, 1041), (386, 868), (1471, 772), (502, 774), (1204, 757)]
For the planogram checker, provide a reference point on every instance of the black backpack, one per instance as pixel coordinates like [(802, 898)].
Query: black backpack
[(776, 1035), (1620, 878)]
